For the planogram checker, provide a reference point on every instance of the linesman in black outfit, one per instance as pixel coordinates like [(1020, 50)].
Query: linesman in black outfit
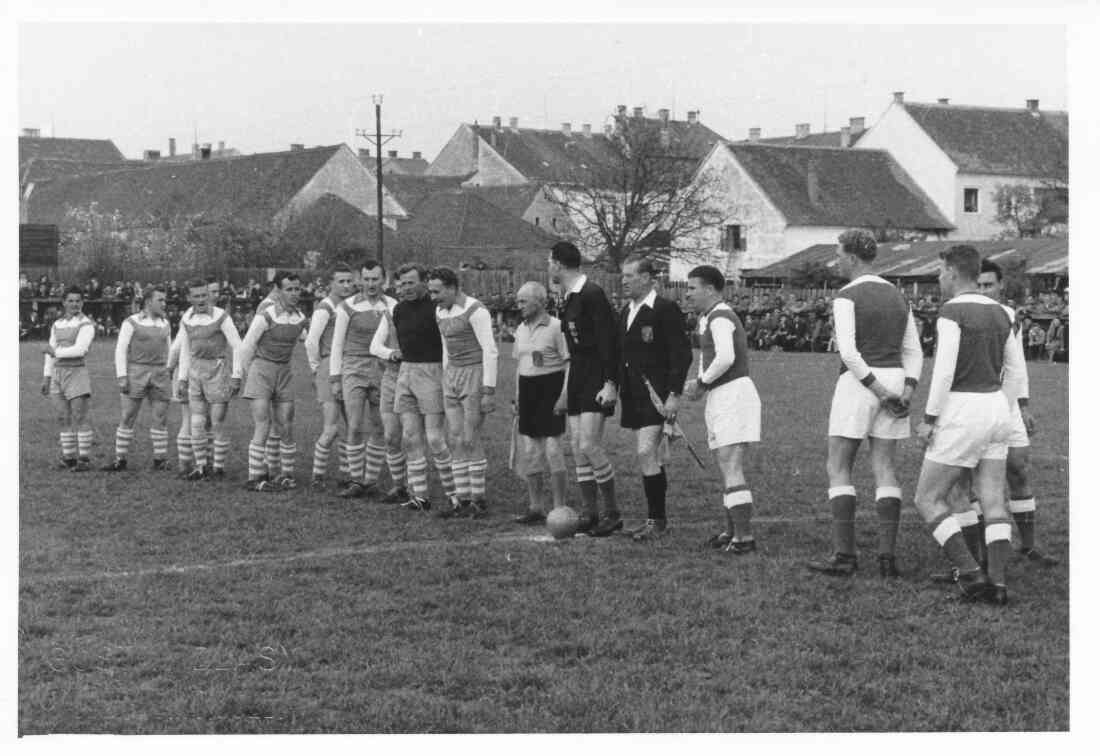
[(590, 391), (656, 354)]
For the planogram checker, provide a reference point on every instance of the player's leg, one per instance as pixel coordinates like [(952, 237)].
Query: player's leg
[(124, 433), (396, 460), (654, 482), (989, 481), (412, 429), (258, 470), (158, 432), (283, 409), (67, 434), (322, 448), (1021, 504), (455, 421), (184, 451), (219, 431), (200, 408), (964, 502), (355, 405), (374, 436), (591, 446), (841, 457), (933, 488), (531, 453), (737, 500), (474, 448), (435, 435), (555, 462), (84, 434), (586, 482), (887, 502)]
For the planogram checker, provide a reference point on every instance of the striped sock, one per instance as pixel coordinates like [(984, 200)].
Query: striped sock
[(257, 467), (738, 503), (461, 469), (198, 445), (418, 477), (443, 464), (842, 502), (342, 450), (477, 469), (356, 461), (183, 450), (68, 444), (587, 485), (949, 536), (84, 444), (320, 459), (396, 462), (159, 437), (221, 452), (287, 454), (209, 438), (376, 455), (271, 455), (604, 473), (123, 437)]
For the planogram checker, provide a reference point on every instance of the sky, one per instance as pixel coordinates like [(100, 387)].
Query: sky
[(262, 86)]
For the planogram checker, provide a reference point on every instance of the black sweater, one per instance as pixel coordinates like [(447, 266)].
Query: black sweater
[(417, 330)]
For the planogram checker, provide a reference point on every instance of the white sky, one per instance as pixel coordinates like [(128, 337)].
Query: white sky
[(260, 87)]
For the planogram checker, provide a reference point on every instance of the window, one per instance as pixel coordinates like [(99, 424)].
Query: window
[(536, 220), (734, 239), (970, 200)]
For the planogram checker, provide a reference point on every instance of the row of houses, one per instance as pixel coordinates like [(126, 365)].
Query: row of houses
[(493, 194)]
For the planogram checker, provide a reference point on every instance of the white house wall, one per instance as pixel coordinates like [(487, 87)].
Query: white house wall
[(982, 224), (916, 152)]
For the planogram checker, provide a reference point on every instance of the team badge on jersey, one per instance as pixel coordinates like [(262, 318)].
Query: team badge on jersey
[(647, 334)]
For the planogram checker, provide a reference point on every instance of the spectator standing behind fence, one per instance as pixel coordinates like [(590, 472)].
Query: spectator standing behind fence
[(1056, 335), (1036, 341)]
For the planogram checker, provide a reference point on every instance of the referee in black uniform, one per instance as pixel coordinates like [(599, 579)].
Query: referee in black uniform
[(655, 349), (591, 331)]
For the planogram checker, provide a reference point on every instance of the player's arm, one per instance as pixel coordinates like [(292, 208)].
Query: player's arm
[(313, 339), (943, 369), (81, 346), (1014, 377), (912, 357), (482, 323), (339, 336), (378, 344), (721, 330), (122, 347), (184, 351), (234, 340), (844, 319), (47, 366), (246, 348)]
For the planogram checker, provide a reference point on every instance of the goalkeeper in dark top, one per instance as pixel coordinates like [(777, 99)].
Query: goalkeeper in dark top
[(881, 363)]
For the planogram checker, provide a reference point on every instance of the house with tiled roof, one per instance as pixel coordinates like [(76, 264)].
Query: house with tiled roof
[(392, 163), (961, 154), (778, 200), (44, 158), (265, 189)]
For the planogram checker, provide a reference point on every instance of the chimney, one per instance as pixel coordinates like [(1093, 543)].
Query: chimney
[(221, 146), (639, 112), (297, 147), (496, 123), (857, 124), (943, 101), (845, 136), (801, 130), (364, 152), (567, 129), (693, 116), (417, 156), (171, 146), (663, 115), (513, 123), (206, 150), (899, 97), (33, 133), (391, 153), (586, 129), (754, 134), (621, 110), (151, 155), (1033, 105)]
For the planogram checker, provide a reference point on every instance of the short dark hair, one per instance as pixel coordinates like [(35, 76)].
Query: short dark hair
[(371, 264), (212, 280), (339, 268), (196, 283), (709, 275), (566, 254), (858, 242), (988, 266), (421, 271), (644, 264), (148, 292), (282, 276), (74, 290), (964, 259), (445, 276)]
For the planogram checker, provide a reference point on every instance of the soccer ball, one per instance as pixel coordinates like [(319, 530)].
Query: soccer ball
[(562, 522)]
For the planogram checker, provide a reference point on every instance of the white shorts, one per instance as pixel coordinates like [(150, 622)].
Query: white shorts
[(1017, 436), (857, 413), (971, 427), (733, 414)]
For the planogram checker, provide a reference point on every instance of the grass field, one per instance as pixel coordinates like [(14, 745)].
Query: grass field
[(152, 605)]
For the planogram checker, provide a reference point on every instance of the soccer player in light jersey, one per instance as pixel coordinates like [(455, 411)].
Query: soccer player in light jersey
[(469, 383), (732, 412), (141, 369), (66, 381), (318, 352), (881, 363), (208, 375), (356, 376), (265, 354), (976, 377)]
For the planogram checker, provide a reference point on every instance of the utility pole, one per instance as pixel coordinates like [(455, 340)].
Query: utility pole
[(378, 139)]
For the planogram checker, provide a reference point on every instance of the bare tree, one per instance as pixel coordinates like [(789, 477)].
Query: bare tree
[(1026, 211), (634, 190)]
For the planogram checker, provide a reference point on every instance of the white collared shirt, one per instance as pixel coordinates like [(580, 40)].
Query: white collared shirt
[(578, 284), (650, 298)]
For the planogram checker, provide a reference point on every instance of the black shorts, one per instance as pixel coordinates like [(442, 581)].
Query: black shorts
[(536, 399), (585, 381), (639, 412)]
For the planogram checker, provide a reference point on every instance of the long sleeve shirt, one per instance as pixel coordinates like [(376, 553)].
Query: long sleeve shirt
[(126, 334), (207, 318), (384, 305), (85, 333), (874, 328), (270, 319), (481, 324), (318, 324)]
